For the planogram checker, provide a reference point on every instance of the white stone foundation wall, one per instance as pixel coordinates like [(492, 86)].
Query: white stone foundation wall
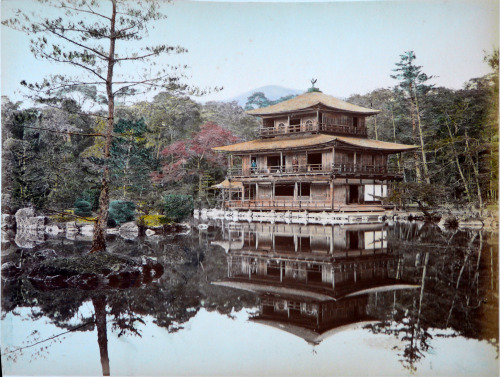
[(291, 217)]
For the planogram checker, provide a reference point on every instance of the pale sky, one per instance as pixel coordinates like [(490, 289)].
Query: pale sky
[(349, 47)]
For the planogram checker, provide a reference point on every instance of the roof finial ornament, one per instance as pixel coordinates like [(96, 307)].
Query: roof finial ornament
[(313, 88)]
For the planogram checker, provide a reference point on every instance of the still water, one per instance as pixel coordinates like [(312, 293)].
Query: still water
[(252, 299)]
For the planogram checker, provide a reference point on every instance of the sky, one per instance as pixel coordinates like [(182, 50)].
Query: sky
[(350, 47)]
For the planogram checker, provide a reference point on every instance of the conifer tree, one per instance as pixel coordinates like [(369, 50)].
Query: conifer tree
[(90, 38)]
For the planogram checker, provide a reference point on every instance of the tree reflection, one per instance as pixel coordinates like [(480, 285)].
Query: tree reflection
[(170, 300), (456, 280), (455, 270)]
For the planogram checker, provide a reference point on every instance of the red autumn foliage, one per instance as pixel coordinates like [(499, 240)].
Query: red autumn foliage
[(186, 157)]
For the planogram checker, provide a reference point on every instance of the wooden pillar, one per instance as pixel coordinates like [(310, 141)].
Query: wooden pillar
[(331, 192), (295, 191), (331, 241), (281, 162), (333, 155), (333, 277), (243, 192), (300, 194), (256, 190), (273, 188)]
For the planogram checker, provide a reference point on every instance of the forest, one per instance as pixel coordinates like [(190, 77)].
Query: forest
[(163, 147)]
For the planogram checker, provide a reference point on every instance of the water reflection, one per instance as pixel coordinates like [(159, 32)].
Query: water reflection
[(312, 281), (412, 282)]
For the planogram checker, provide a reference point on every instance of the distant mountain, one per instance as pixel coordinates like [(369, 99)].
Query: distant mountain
[(272, 92)]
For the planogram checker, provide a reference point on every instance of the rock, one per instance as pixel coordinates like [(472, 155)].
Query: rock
[(71, 228), (7, 221), (112, 230), (23, 215), (150, 232), (28, 238), (87, 230), (129, 231), (53, 230), (25, 218), (202, 226)]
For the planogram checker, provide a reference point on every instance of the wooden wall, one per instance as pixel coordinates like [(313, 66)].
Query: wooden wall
[(339, 195), (320, 191)]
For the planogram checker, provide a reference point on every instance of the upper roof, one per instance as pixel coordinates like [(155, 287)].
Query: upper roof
[(308, 100), (287, 143)]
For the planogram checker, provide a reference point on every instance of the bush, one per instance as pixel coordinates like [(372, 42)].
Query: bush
[(178, 207), (153, 220), (91, 196), (83, 208), (120, 212)]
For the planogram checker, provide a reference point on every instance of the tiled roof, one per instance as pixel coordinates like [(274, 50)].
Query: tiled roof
[(308, 100), (311, 141)]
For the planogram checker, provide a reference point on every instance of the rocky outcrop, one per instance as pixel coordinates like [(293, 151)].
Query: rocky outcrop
[(25, 218), (129, 231)]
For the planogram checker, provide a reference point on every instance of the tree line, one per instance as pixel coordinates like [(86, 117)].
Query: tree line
[(81, 143), (456, 132), (163, 146)]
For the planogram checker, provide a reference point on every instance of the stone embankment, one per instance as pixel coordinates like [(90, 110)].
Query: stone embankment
[(30, 230), (444, 218)]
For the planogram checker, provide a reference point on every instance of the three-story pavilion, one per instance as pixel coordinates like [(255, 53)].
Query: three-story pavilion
[(313, 154)]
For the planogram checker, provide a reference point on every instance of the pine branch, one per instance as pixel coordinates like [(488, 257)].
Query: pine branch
[(64, 132)]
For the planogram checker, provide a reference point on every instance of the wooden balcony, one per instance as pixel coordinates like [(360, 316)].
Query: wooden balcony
[(362, 169), (279, 170), (313, 127), (339, 170)]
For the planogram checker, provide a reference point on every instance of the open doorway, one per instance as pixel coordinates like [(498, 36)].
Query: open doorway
[(353, 194), (314, 161), (273, 163)]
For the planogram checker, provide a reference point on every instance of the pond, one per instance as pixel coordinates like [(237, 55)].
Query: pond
[(248, 299)]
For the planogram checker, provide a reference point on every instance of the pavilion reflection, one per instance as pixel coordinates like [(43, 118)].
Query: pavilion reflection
[(313, 281)]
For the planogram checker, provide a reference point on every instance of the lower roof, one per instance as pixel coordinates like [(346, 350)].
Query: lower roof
[(318, 140)]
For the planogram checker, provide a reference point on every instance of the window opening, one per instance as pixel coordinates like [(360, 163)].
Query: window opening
[(283, 190)]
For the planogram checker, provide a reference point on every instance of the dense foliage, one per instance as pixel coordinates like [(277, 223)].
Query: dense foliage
[(456, 131), (120, 211), (178, 207), (164, 146)]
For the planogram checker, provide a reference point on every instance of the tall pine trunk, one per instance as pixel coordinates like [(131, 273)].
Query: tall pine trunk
[(422, 144), (459, 167), (100, 227), (414, 136)]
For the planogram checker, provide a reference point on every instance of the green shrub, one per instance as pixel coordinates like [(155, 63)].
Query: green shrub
[(83, 208), (153, 220), (120, 212), (178, 207), (91, 196)]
